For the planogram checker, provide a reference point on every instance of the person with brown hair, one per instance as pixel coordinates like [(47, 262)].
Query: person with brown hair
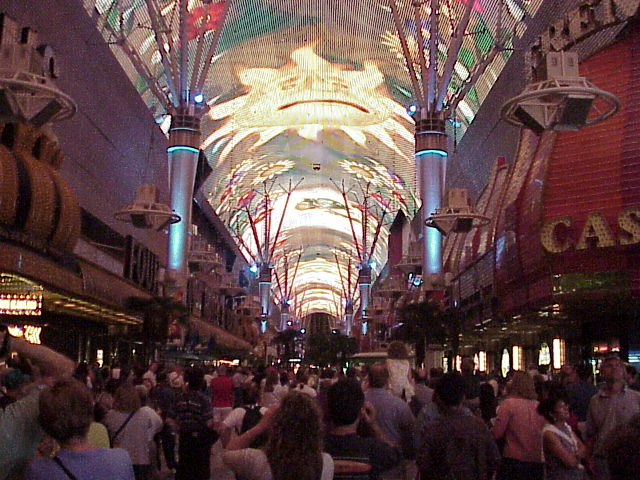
[(393, 416), (293, 450), (519, 423), (563, 450), (301, 386), (272, 391), (132, 426), (19, 429), (456, 445), (612, 408), (400, 381), (66, 412)]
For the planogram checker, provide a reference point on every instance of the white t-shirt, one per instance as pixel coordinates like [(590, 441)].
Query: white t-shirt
[(399, 382), (137, 434), (270, 399), (252, 464), (306, 389), (235, 418)]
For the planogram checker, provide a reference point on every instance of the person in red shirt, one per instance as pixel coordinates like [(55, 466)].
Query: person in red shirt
[(221, 394)]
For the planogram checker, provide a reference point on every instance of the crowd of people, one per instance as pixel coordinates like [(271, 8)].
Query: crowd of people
[(60, 421)]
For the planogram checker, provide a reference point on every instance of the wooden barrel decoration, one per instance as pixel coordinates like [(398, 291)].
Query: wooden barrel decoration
[(8, 186), (67, 229), (34, 197), (40, 217)]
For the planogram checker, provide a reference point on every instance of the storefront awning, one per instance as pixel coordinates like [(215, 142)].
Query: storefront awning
[(86, 291), (222, 337)]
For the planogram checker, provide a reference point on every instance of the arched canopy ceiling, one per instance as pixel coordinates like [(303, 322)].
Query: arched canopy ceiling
[(307, 101)]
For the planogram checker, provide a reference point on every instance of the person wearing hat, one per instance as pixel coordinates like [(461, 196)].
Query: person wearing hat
[(13, 382)]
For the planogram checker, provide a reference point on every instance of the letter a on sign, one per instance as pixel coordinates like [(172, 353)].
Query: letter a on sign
[(597, 229)]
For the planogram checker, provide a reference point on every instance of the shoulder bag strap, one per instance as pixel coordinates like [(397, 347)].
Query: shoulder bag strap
[(65, 469), (568, 437), (112, 438)]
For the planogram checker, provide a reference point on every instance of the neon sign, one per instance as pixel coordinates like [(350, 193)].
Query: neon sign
[(30, 333), (20, 304)]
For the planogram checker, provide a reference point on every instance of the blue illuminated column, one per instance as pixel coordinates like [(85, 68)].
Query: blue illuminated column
[(431, 164), (284, 315), (348, 317), (364, 285), (264, 290), (184, 138)]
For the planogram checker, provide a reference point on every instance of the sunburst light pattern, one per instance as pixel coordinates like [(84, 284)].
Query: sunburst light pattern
[(312, 89), (308, 116), (309, 95)]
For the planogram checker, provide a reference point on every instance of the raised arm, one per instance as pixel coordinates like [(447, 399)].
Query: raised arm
[(49, 362), (247, 438)]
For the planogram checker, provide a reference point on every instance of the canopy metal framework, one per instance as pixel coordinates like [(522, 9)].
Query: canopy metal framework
[(346, 270), (183, 38), (308, 88), (372, 210), (432, 36), (284, 297)]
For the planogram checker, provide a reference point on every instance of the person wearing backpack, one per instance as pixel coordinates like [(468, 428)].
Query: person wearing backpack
[(245, 417), (192, 415)]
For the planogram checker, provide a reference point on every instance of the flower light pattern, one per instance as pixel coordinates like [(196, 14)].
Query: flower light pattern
[(308, 95)]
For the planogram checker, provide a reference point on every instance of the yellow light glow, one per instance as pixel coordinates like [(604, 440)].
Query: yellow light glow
[(482, 361), (544, 357), (317, 106), (516, 357), (559, 353), (308, 95), (505, 364), (100, 357)]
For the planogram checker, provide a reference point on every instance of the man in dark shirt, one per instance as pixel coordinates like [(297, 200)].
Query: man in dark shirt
[(471, 384), (580, 391), (346, 408), (194, 418), (456, 445), (163, 397)]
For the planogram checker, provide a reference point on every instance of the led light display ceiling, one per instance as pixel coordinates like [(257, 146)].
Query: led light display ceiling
[(306, 89)]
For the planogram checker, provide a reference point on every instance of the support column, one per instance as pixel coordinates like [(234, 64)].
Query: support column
[(183, 154), (264, 290), (431, 164), (364, 285), (284, 315), (348, 317)]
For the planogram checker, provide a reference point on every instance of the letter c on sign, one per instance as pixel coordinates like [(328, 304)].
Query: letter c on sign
[(549, 237)]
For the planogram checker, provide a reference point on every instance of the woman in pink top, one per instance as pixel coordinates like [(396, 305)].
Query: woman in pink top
[(519, 423)]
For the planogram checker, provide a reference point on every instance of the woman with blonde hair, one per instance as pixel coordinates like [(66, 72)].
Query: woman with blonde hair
[(519, 423), (132, 426), (293, 450)]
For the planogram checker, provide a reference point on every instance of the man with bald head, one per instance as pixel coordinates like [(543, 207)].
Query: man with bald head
[(393, 416)]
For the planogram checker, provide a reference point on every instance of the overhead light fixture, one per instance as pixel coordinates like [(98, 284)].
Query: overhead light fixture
[(146, 211)]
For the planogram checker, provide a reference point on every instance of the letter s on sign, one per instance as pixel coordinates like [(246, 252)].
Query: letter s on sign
[(629, 223)]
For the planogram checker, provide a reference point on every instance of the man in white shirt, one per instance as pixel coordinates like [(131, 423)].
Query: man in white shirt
[(150, 375)]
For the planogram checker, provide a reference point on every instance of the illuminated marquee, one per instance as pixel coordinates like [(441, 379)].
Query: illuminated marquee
[(596, 231), (20, 304), (30, 333)]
